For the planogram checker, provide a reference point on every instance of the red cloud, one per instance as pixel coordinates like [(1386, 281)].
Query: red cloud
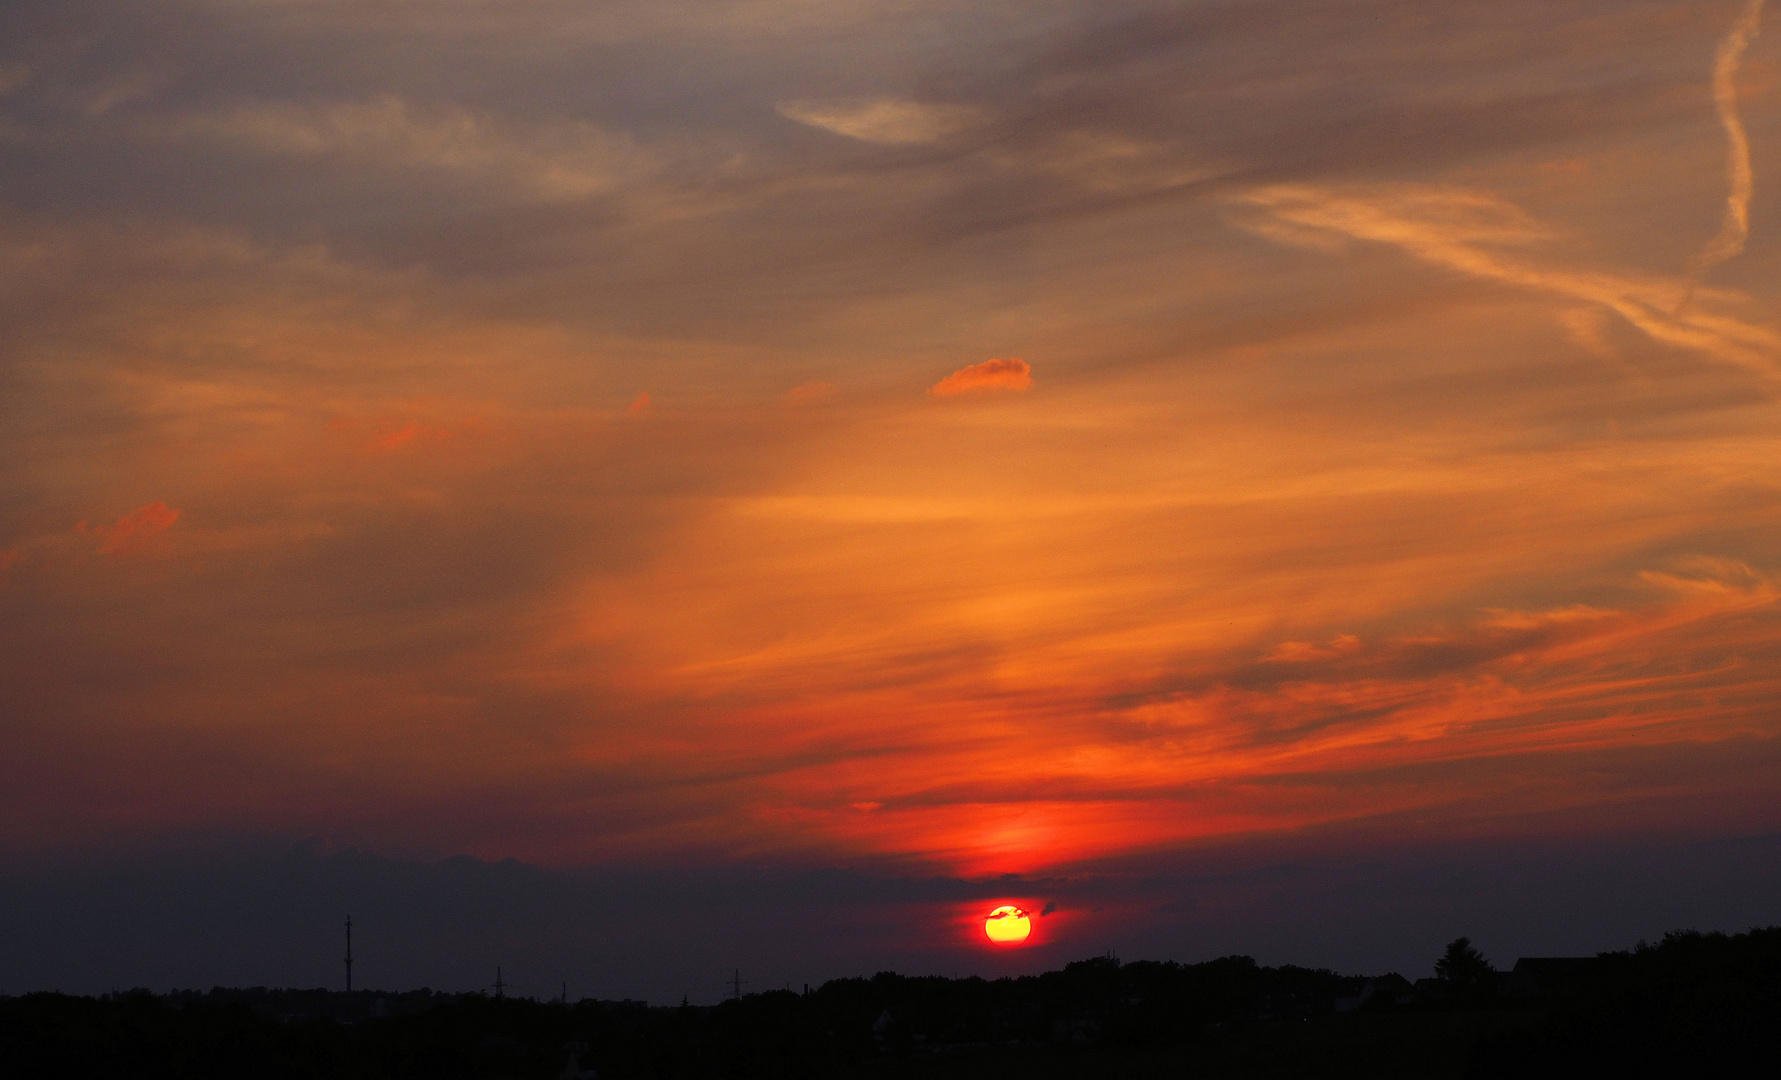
[(990, 375), (639, 406), (136, 528)]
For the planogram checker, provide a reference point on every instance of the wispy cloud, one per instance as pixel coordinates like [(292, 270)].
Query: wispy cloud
[(1468, 231), (890, 121), (1734, 231), (552, 161)]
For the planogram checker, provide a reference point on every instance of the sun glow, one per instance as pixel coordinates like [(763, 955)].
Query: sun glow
[(1008, 925)]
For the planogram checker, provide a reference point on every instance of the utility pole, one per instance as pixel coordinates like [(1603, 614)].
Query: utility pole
[(349, 954)]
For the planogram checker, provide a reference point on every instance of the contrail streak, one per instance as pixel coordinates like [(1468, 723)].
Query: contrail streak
[(1462, 231), (1735, 229)]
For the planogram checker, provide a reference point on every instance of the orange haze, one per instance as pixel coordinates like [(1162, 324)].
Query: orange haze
[(1394, 470)]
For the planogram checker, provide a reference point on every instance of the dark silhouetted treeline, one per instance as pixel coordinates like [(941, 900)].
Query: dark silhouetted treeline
[(1691, 1004)]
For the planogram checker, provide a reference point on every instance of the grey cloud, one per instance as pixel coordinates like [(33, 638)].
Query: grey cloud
[(1077, 113)]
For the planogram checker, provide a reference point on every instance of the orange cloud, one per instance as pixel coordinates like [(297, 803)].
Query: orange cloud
[(136, 528), (1301, 539), (1010, 374)]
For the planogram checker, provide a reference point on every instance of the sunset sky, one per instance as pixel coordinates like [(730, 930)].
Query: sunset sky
[(1217, 462)]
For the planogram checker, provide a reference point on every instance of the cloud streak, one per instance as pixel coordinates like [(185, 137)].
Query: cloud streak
[(560, 161), (885, 120), (1466, 231), (1734, 231)]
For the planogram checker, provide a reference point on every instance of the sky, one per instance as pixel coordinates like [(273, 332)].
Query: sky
[(643, 488)]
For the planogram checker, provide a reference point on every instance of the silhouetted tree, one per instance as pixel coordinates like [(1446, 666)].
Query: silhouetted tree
[(1469, 977)]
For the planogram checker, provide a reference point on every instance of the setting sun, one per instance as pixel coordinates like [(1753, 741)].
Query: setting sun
[(1008, 925)]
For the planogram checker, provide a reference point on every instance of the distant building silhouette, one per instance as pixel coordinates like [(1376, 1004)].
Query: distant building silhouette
[(1548, 976)]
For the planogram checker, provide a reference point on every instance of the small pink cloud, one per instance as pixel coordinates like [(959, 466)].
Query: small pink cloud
[(991, 375), (136, 528), (639, 406)]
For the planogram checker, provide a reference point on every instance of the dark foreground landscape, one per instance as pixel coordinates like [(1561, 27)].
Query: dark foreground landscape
[(1692, 1004)]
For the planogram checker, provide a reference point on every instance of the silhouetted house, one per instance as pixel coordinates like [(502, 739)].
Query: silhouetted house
[(1547, 976), (1392, 987), (1426, 990)]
